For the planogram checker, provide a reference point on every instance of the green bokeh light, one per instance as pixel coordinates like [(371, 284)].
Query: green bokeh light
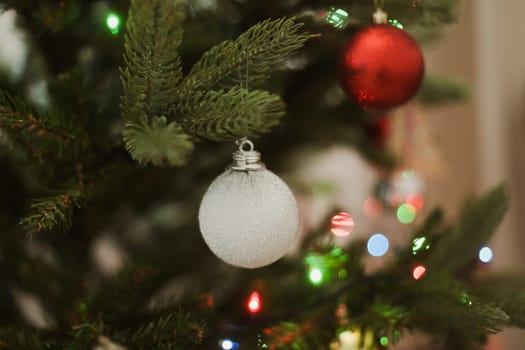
[(337, 17), (407, 174), (383, 341), (406, 213), (113, 22), (316, 276), (465, 300), (420, 243), (395, 23)]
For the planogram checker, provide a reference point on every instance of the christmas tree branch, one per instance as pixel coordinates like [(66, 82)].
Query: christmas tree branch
[(413, 13), (439, 90), (227, 115), (478, 221), (157, 141), (19, 338), (55, 211), (175, 331), (53, 130), (154, 32), (153, 69), (247, 60)]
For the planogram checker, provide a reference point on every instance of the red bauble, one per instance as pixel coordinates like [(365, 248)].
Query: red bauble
[(382, 67)]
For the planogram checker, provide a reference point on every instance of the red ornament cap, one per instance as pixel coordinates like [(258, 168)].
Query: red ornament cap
[(382, 67)]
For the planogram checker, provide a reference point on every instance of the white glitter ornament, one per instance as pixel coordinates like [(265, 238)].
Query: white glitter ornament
[(248, 217)]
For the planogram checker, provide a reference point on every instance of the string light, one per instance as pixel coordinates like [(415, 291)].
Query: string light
[(416, 200), (377, 245), (418, 244), (465, 300), (113, 22), (315, 276), (323, 267), (373, 207), (406, 213), (337, 17), (228, 344), (418, 272), (342, 224), (485, 254), (395, 23), (254, 303), (383, 341), (407, 174)]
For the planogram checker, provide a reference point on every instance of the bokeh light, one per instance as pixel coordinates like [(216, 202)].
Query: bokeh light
[(418, 272), (406, 213), (342, 224), (395, 23), (383, 341), (465, 299), (377, 245), (407, 174), (337, 17), (485, 255), (227, 344), (316, 276), (254, 303), (373, 207), (420, 243), (113, 22), (416, 200)]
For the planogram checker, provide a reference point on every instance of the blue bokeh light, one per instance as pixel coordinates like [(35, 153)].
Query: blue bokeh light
[(377, 245), (485, 254)]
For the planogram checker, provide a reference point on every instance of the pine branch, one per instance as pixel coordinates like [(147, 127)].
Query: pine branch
[(505, 295), (126, 295), (55, 211), (247, 60), (21, 338), (513, 303), (153, 69), (443, 308), (154, 32), (178, 331), (157, 142), (227, 115), (427, 13), (53, 130), (438, 91), (479, 219)]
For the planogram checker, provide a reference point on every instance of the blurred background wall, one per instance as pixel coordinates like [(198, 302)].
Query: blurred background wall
[(483, 139)]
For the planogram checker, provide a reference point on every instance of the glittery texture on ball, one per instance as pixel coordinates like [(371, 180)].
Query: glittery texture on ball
[(248, 218), (382, 67)]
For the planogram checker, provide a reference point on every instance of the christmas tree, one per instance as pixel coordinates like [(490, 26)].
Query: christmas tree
[(125, 112)]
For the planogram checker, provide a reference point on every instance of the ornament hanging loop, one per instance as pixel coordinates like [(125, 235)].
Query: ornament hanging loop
[(246, 158), (379, 16), (243, 143)]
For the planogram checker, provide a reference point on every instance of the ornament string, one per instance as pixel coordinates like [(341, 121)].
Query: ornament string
[(246, 158), (379, 4), (245, 91)]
